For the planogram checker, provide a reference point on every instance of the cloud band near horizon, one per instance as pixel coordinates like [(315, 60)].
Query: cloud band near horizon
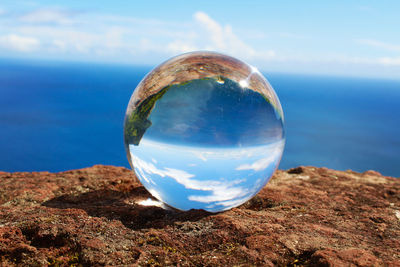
[(64, 34)]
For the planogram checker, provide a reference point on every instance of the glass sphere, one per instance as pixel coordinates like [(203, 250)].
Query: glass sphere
[(204, 131)]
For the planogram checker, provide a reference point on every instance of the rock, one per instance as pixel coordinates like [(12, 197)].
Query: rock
[(304, 216)]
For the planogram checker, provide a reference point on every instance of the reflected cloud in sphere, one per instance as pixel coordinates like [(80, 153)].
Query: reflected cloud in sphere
[(204, 131)]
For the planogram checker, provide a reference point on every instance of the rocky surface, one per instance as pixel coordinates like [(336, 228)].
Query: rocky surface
[(304, 216)]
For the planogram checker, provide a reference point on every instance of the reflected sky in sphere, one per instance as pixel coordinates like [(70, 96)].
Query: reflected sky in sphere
[(204, 178), (211, 142)]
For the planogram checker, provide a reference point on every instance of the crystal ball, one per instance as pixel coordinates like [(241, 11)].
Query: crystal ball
[(204, 131)]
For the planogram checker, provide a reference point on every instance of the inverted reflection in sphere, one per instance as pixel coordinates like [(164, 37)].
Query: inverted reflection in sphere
[(204, 131)]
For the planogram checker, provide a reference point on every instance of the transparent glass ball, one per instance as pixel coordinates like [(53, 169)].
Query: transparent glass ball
[(204, 131)]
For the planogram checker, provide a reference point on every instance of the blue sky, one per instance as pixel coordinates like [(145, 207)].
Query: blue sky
[(356, 38)]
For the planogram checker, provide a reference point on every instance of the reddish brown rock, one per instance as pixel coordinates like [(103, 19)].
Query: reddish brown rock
[(304, 216)]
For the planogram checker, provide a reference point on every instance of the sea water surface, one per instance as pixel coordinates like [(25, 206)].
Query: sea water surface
[(60, 116)]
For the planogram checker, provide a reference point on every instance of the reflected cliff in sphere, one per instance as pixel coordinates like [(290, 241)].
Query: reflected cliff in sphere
[(204, 131)]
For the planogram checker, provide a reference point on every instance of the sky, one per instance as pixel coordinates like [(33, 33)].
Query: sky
[(351, 38), (209, 178)]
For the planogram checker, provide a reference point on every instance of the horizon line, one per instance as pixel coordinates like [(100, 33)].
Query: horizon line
[(58, 61)]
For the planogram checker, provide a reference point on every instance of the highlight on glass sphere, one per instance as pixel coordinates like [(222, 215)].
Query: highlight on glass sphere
[(204, 131)]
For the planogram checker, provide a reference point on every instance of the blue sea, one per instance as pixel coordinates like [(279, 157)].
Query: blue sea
[(59, 116)]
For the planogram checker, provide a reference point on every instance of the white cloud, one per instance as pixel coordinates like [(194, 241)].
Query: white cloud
[(59, 45), (379, 44), (68, 34), (100, 36), (222, 38), (203, 155), (229, 197), (231, 154), (19, 43), (179, 46), (232, 202), (66, 39), (217, 33), (259, 165), (273, 153), (344, 61), (213, 36), (386, 61), (221, 192), (47, 16), (390, 61), (272, 150), (178, 175)]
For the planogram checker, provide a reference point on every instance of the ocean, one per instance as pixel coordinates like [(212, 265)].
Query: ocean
[(60, 116)]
